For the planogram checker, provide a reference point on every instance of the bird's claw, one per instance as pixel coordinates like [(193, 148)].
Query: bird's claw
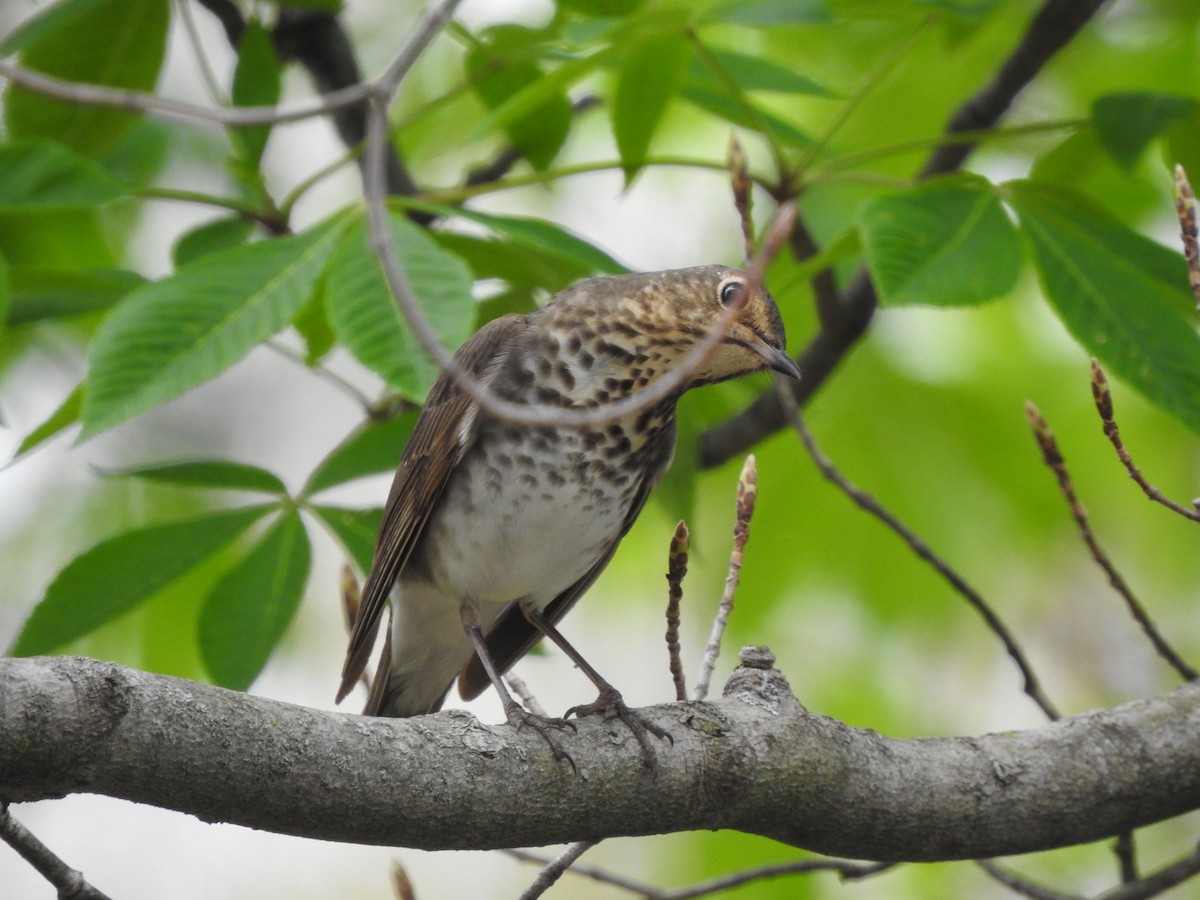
[(519, 718), (611, 705)]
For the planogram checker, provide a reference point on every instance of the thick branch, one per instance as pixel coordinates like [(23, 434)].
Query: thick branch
[(754, 761)]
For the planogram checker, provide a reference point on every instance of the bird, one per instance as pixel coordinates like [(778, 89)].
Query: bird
[(494, 529)]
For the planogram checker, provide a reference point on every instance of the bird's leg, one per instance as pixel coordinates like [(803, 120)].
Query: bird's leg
[(518, 716), (610, 702)]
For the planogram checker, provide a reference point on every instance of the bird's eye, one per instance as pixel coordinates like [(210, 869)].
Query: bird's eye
[(730, 291)]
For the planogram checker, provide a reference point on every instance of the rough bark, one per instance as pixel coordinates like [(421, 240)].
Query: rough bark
[(755, 761)]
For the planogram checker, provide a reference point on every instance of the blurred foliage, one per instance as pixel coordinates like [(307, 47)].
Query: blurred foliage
[(996, 285)]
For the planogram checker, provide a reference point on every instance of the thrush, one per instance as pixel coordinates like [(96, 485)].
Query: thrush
[(493, 530)]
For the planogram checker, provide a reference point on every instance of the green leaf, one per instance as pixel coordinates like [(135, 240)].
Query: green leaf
[(945, 243), (40, 293), (65, 416), (500, 68), (1127, 123), (356, 530), (174, 334), (312, 324), (43, 175), (118, 43), (217, 474), (60, 16), (606, 9), (650, 76), (754, 73), (714, 98), (372, 448), (368, 322), (257, 81), (5, 293), (250, 608), (769, 13), (219, 234), (1121, 295), (526, 100), (118, 574), (535, 234)]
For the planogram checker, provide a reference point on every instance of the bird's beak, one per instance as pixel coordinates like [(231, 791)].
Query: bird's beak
[(777, 360)]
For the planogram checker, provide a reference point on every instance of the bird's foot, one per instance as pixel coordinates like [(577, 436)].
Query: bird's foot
[(611, 705), (519, 717)]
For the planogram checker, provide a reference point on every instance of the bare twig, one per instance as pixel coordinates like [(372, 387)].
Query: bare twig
[(1054, 459), (1185, 208), (69, 882), (402, 887), (739, 179), (1125, 851), (553, 870), (848, 870), (178, 110), (518, 686), (1162, 880), (493, 405), (747, 493), (869, 504), (1020, 885), (677, 562), (1104, 405)]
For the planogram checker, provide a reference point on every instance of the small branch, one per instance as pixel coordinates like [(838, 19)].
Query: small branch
[(677, 562), (69, 882), (1162, 880), (1104, 406), (554, 869), (1185, 209), (518, 686), (747, 494), (847, 869), (1054, 25), (176, 110), (1126, 853), (402, 888), (1019, 885), (1054, 459), (739, 180), (869, 504)]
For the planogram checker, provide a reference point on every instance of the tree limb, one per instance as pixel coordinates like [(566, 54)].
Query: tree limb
[(1055, 24), (755, 761)]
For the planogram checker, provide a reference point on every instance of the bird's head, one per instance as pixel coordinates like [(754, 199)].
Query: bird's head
[(686, 304)]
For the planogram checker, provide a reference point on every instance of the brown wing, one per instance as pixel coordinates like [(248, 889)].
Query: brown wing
[(511, 637), (445, 430)]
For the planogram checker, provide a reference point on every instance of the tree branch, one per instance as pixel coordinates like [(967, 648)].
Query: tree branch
[(841, 328), (754, 761)]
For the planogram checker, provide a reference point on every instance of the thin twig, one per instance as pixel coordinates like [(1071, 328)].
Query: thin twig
[(739, 181), (178, 110), (1162, 880), (747, 493), (69, 882), (1125, 851), (869, 504), (518, 686), (1104, 405), (677, 563), (553, 870), (495, 406), (1185, 209), (847, 869), (1054, 459), (1020, 885), (402, 888)]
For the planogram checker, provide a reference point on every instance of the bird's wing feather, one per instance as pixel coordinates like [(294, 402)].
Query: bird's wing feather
[(512, 636), (444, 431)]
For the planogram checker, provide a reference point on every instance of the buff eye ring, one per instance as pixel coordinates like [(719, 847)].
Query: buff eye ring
[(730, 291)]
